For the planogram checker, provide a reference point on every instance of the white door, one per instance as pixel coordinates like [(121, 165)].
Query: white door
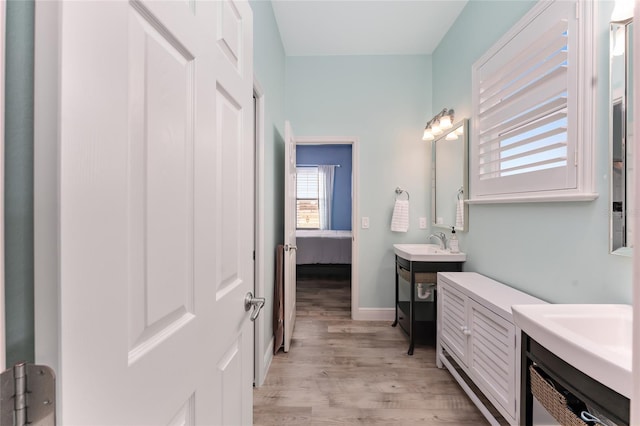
[(155, 203), (290, 191)]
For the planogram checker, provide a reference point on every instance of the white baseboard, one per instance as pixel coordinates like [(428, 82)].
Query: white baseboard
[(266, 362), (375, 314)]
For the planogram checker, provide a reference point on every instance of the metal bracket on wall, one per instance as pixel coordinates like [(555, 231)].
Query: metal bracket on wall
[(28, 396)]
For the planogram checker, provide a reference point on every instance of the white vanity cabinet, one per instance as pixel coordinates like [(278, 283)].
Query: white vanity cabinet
[(476, 329)]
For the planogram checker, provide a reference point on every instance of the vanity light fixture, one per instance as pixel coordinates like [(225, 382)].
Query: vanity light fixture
[(442, 121), (460, 130)]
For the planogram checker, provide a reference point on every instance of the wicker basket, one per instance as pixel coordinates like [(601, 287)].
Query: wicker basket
[(552, 400)]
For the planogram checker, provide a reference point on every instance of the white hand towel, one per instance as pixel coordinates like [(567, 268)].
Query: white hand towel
[(400, 219), (460, 214)]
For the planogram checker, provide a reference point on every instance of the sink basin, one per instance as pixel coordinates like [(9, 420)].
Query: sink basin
[(427, 253), (595, 339)]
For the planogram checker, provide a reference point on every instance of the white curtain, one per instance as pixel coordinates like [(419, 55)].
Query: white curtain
[(325, 194)]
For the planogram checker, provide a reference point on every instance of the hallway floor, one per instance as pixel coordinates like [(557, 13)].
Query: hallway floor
[(344, 372)]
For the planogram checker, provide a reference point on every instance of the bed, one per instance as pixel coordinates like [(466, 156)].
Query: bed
[(323, 246)]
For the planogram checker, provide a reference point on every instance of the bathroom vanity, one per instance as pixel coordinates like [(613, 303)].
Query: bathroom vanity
[(419, 264), (596, 396), (477, 336), (583, 348)]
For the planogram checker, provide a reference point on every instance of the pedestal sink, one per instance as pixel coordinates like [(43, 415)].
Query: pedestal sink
[(427, 253), (595, 339)]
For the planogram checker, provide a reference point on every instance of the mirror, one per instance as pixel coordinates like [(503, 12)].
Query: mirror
[(449, 179), (621, 137)]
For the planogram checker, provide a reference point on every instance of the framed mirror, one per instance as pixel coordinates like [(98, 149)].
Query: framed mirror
[(621, 146), (450, 178)]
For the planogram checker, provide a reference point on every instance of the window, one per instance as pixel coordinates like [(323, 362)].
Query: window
[(533, 110), (307, 205)]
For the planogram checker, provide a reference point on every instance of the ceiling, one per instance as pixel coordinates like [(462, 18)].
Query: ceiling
[(364, 27)]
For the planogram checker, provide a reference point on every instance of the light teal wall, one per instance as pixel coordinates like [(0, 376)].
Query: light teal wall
[(384, 101), (269, 69), (556, 251), (18, 197)]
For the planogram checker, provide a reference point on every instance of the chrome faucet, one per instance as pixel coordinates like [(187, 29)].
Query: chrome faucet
[(442, 239)]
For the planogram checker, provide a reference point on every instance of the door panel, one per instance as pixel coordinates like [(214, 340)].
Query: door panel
[(492, 351), (230, 33), (453, 320), (155, 235), (161, 143), (230, 195), (185, 416)]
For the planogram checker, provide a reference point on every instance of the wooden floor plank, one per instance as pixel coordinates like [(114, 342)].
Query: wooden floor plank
[(344, 372)]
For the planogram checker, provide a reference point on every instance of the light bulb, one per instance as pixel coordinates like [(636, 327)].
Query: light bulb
[(427, 136), (445, 122), (435, 128), (619, 42), (460, 130), (622, 10), (452, 136)]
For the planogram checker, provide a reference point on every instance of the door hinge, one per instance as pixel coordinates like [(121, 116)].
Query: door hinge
[(28, 396)]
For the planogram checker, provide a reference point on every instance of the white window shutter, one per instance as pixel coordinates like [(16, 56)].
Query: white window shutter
[(307, 187), (307, 182), (527, 109)]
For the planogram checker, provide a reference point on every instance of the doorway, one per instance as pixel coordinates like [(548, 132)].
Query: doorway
[(329, 258)]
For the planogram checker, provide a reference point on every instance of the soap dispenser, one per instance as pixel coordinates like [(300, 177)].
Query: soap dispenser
[(454, 247)]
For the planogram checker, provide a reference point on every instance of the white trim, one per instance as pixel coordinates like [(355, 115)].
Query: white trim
[(355, 229), (375, 314), (267, 358), (326, 140), (355, 201), (635, 372), (535, 199), (45, 181), (3, 348), (587, 128), (261, 364)]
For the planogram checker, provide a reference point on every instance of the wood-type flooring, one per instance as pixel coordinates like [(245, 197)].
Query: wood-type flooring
[(344, 372)]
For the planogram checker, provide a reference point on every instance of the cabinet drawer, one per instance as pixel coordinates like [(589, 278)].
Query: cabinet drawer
[(492, 355), (452, 318)]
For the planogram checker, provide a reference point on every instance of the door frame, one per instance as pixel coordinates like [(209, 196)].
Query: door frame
[(635, 391), (263, 353), (3, 29), (355, 202), (45, 182)]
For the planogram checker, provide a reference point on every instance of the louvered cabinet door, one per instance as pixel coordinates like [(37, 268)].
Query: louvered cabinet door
[(492, 355), (454, 322)]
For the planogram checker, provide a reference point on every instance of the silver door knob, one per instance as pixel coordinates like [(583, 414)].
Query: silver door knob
[(288, 247), (256, 302)]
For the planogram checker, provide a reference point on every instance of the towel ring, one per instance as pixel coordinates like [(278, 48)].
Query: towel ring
[(399, 191), (460, 192)]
